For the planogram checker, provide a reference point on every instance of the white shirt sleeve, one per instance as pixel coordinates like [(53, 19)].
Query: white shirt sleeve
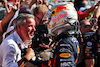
[(9, 57), (34, 58)]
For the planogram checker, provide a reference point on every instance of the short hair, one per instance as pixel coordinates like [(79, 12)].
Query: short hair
[(21, 19), (39, 8)]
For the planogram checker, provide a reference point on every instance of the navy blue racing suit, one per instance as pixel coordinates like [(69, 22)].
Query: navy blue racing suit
[(92, 47), (65, 52)]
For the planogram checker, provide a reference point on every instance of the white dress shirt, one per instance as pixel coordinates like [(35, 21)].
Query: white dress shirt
[(10, 51)]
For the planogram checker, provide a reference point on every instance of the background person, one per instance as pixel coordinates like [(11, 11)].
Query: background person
[(85, 27), (34, 3), (92, 59), (4, 23), (39, 13), (91, 43)]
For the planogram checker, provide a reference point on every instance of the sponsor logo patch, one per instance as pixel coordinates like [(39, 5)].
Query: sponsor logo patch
[(87, 49), (65, 64), (89, 43), (64, 50), (65, 55)]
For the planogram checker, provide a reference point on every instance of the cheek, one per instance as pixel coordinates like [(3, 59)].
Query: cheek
[(26, 30), (82, 28), (29, 29)]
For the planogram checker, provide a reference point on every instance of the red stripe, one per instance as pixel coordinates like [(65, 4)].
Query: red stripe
[(54, 60), (43, 65)]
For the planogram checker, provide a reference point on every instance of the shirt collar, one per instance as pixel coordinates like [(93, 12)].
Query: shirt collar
[(19, 41)]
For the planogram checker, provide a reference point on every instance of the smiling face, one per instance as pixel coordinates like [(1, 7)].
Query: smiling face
[(27, 30)]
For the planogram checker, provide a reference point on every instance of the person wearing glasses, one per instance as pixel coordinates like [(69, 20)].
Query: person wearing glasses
[(89, 42), (92, 44), (43, 50), (85, 27), (39, 12)]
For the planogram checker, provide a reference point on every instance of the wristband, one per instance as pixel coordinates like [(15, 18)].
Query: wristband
[(25, 59), (14, 10)]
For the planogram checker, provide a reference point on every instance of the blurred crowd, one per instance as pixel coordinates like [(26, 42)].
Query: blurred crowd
[(40, 33)]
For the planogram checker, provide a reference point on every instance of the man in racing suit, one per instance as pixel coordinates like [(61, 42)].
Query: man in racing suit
[(63, 26), (65, 52), (92, 47)]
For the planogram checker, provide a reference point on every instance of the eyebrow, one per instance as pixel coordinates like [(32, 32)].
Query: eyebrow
[(86, 25)]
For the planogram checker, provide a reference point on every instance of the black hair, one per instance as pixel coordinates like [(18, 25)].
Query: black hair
[(78, 4)]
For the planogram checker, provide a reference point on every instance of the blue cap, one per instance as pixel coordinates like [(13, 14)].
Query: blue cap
[(25, 10)]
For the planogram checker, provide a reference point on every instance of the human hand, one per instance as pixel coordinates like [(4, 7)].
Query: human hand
[(29, 54), (48, 45), (46, 2), (94, 28), (16, 5), (5, 1), (45, 46)]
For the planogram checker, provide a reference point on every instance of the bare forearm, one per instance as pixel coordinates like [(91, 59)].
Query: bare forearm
[(89, 62), (97, 12), (92, 8), (29, 55), (22, 62), (89, 10), (6, 20)]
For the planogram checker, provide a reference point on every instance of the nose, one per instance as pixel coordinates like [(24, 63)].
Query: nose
[(33, 29)]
